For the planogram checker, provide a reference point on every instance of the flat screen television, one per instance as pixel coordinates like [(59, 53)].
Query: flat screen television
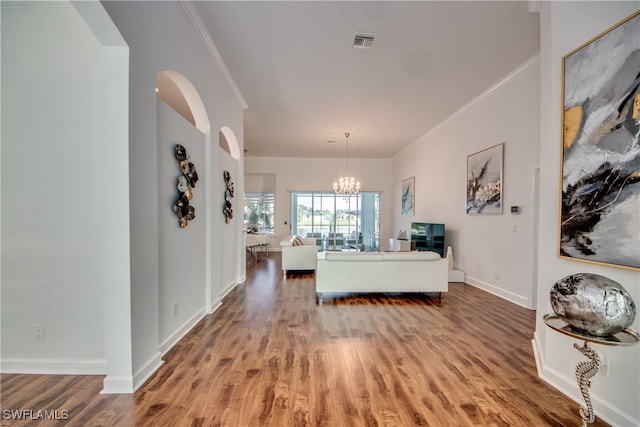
[(428, 237)]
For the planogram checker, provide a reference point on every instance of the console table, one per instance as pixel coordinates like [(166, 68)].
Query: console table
[(585, 370)]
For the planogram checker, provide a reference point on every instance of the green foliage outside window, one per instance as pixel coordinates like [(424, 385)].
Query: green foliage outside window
[(259, 212)]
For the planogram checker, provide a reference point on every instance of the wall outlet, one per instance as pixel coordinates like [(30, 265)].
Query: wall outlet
[(496, 276), (38, 331), (174, 310), (604, 365)]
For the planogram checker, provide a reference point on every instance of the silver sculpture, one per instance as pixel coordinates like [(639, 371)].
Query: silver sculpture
[(596, 309), (593, 304)]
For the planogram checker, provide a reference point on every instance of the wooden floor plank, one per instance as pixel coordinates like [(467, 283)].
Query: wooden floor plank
[(271, 356)]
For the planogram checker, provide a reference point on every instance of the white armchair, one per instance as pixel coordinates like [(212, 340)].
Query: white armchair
[(302, 257)]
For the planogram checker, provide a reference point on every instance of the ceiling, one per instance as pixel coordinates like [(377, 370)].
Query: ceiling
[(305, 85)]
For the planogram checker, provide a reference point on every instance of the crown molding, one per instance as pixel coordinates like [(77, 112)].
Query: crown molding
[(201, 29)]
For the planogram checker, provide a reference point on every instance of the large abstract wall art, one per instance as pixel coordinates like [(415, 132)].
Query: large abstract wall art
[(600, 205), (484, 181)]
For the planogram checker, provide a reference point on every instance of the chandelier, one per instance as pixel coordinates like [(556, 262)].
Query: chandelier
[(346, 185)]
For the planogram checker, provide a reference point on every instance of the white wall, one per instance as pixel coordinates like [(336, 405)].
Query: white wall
[(181, 251), (564, 27), (303, 174), (161, 37), (65, 252), (495, 251), (228, 232), (70, 170)]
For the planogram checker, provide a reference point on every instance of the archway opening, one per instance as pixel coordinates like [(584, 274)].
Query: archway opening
[(229, 142), (178, 92)]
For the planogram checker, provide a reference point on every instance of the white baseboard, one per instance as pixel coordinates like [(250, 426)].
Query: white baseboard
[(213, 306), (173, 339), (228, 289), (146, 370), (537, 352), (117, 385), (53, 366), (504, 294), (456, 276)]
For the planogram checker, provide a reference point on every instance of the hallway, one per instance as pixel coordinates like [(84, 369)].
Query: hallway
[(270, 356)]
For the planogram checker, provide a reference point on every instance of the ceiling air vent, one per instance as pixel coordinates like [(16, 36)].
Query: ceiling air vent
[(363, 41)]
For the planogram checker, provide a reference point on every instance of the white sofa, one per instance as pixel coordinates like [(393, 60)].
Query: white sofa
[(340, 272), (304, 257)]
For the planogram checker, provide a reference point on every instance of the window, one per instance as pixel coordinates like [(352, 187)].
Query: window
[(259, 211), (336, 222)]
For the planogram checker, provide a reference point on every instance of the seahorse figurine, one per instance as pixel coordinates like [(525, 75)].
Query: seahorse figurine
[(585, 370)]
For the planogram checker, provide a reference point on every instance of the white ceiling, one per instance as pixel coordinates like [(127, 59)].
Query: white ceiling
[(304, 84)]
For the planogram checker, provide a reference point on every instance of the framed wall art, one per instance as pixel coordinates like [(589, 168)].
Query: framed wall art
[(484, 181), (408, 196), (600, 179)]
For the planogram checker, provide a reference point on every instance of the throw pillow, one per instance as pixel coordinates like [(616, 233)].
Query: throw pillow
[(297, 241)]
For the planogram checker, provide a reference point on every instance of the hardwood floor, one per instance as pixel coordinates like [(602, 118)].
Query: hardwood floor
[(270, 356)]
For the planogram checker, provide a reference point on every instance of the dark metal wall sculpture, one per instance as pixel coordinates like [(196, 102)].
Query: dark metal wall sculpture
[(227, 209), (186, 182)]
